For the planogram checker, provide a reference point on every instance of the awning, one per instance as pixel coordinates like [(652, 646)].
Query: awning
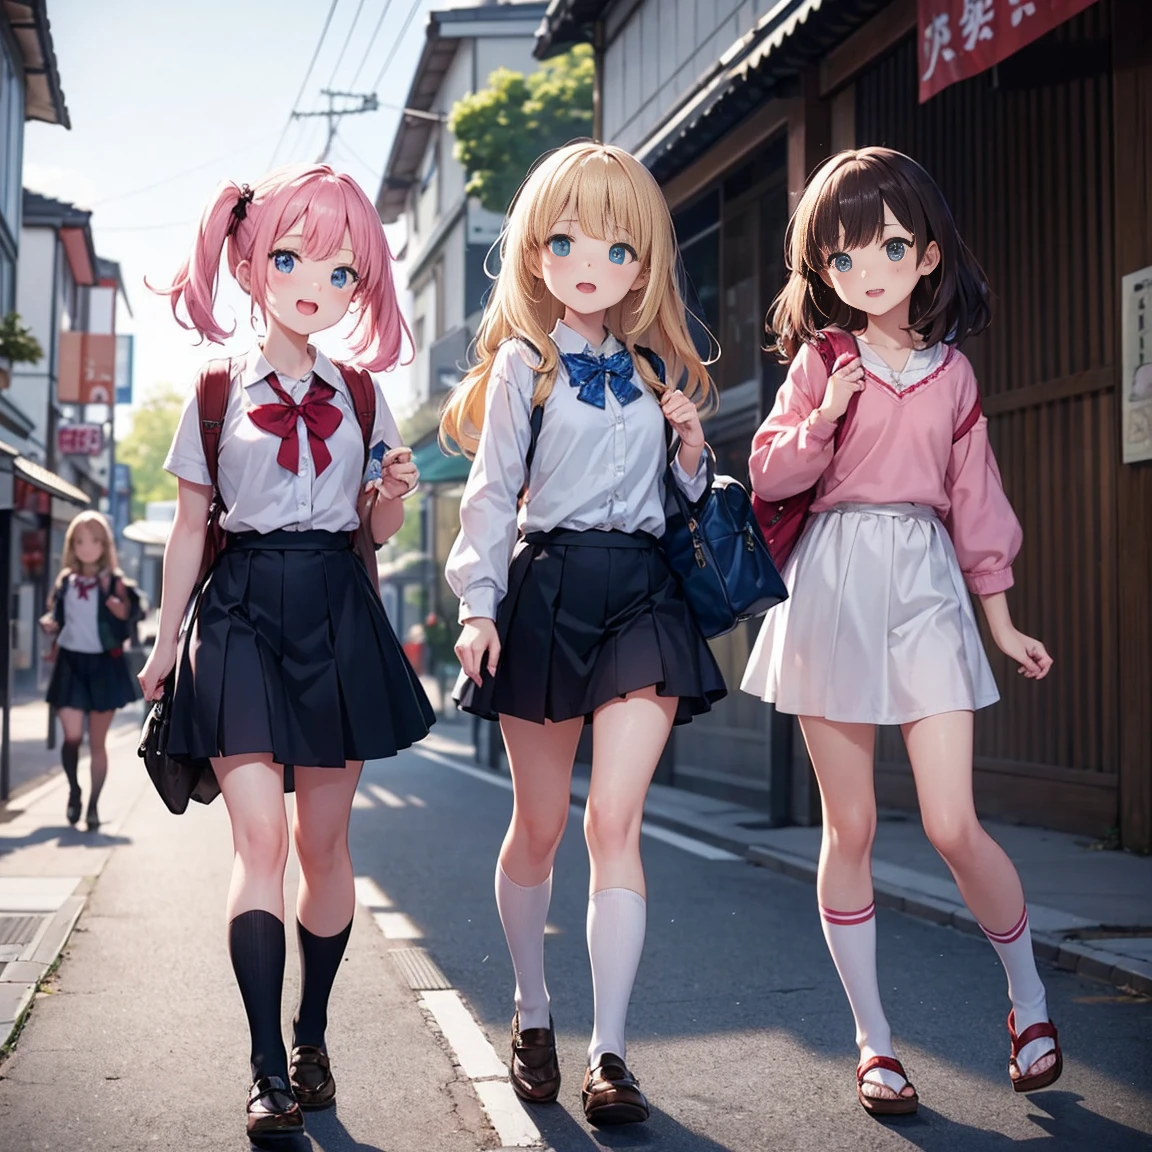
[(149, 532), (39, 477), (763, 64), (437, 468)]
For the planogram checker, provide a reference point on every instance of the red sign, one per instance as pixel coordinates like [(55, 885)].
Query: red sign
[(960, 38), (80, 440), (87, 373)]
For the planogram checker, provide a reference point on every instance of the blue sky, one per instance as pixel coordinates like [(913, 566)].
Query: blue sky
[(166, 99)]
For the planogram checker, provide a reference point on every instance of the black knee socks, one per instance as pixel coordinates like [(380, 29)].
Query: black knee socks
[(320, 958), (70, 758), (256, 945)]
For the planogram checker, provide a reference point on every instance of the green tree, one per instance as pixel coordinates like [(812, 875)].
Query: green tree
[(144, 448), (502, 129)]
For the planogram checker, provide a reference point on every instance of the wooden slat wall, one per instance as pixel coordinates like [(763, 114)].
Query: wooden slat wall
[(1024, 156)]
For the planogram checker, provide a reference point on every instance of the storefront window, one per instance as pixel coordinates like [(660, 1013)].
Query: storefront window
[(11, 140), (698, 235)]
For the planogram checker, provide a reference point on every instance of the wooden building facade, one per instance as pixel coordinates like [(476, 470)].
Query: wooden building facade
[(1046, 162)]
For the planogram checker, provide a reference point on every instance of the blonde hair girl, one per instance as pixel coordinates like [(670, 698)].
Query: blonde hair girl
[(584, 623), (90, 614)]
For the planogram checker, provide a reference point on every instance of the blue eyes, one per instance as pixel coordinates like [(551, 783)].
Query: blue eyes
[(894, 249), (285, 263), (617, 253)]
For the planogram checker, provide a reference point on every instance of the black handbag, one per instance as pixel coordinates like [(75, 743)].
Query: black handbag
[(176, 781)]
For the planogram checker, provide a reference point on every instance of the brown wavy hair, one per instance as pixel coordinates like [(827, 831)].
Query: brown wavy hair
[(843, 207), (608, 189)]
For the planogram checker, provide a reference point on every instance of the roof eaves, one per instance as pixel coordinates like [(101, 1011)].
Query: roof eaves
[(565, 24), (44, 97)]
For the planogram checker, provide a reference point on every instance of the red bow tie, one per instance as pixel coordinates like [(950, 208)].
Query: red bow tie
[(84, 585), (320, 418)]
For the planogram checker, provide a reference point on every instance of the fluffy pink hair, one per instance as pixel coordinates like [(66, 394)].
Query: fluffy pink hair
[(325, 203)]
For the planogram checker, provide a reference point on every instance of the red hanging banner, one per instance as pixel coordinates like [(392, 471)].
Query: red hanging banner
[(959, 38)]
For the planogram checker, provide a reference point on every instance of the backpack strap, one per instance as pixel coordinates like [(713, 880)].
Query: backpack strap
[(831, 344), (212, 388), (969, 421), (363, 393)]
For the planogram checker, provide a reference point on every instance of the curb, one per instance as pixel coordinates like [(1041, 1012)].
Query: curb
[(20, 979), (1123, 972)]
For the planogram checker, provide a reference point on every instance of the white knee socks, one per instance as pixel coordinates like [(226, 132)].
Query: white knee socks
[(851, 938), (1025, 989), (524, 914), (616, 922)]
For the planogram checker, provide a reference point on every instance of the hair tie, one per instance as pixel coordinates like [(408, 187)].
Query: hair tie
[(240, 208)]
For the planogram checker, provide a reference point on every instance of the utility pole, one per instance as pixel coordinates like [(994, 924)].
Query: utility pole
[(368, 103)]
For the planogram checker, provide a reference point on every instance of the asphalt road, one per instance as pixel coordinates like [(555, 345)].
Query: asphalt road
[(739, 1031)]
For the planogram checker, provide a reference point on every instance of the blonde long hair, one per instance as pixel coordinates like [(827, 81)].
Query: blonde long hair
[(609, 191), (89, 519)]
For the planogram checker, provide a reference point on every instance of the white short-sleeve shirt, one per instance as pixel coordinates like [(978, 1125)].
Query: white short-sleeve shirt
[(81, 631), (260, 495)]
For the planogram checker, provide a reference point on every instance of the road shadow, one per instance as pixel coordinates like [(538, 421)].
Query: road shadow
[(64, 836), (329, 1134), (563, 1133)]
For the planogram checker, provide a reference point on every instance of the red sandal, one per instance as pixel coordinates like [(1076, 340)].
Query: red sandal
[(879, 1105), (1020, 1082)]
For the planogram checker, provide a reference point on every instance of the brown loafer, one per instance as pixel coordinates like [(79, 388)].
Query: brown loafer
[(310, 1075), (534, 1069), (272, 1109), (611, 1094)]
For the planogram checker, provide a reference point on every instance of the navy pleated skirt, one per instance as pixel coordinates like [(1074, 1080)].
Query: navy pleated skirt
[(290, 653), (589, 617), (91, 681)]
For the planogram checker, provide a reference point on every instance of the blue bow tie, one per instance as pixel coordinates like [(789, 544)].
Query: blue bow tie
[(589, 373)]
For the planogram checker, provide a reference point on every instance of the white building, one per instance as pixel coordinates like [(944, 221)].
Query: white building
[(449, 234)]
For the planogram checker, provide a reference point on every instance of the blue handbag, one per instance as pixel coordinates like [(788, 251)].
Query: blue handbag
[(715, 548)]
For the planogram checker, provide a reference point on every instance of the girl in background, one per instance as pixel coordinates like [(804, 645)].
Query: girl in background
[(909, 517), (582, 621), (291, 675), (90, 615)]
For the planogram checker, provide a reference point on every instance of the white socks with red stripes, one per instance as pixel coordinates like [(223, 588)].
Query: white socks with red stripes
[(616, 923), (851, 938), (1025, 990), (524, 915)]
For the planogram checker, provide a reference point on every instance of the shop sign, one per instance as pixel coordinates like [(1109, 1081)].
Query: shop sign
[(961, 38), (80, 440)]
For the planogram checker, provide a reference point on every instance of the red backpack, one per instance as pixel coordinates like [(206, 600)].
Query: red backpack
[(782, 521), (212, 388)]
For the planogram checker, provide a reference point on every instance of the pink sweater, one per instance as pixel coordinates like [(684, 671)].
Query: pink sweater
[(898, 448)]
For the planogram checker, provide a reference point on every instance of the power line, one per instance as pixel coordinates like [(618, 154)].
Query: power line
[(371, 42), (347, 41), (304, 82), (396, 44)]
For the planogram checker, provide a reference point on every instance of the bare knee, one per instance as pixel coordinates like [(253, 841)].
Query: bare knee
[(956, 836), (609, 832), (539, 837), (849, 835), (262, 843)]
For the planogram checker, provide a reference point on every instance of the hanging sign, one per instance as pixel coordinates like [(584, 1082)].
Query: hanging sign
[(960, 38)]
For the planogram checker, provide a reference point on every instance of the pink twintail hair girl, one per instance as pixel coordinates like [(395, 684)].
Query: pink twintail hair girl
[(326, 204)]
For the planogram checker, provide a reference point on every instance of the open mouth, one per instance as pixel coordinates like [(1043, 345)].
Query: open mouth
[(306, 307), (874, 292), (584, 286)]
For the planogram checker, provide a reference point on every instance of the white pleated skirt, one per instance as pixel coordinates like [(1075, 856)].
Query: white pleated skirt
[(878, 627)]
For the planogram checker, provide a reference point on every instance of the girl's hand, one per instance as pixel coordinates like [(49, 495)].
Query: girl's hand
[(1031, 656), (846, 380), (48, 624), (157, 668), (398, 474), (116, 603), (477, 637), (681, 413)]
